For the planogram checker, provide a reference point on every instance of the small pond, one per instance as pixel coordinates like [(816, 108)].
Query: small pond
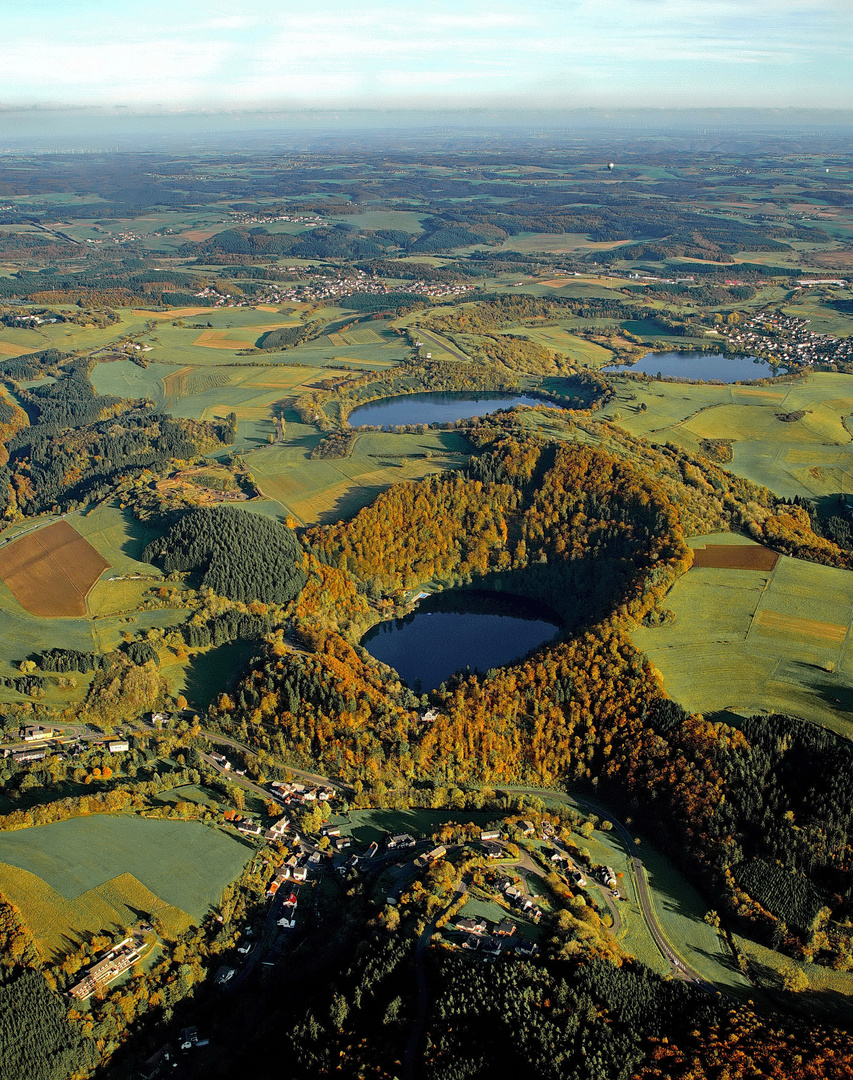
[(700, 367), (454, 630), (444, 407)]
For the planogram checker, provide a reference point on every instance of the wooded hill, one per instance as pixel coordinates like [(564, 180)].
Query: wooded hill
[(104, 440), (601, 540), (239, 555)]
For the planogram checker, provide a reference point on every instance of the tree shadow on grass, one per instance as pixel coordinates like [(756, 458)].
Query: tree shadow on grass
[(212, 673), (822, 1002)]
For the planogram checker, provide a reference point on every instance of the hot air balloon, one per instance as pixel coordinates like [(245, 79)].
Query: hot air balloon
[(611, 167)]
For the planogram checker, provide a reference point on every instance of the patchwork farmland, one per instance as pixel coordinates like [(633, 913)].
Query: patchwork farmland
[(754, 631)]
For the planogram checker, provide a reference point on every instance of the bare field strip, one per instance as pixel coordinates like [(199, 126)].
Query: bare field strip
[(198, 234), (220, 339), (734, 557), (786, 624), (51, 571), (8, 348), (172, 313)]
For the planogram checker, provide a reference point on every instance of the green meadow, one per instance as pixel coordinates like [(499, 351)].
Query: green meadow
[(116, 603), (101, 873), (747, 641)]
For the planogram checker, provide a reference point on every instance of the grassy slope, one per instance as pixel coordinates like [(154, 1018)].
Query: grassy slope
[(66, 877), (332, 488), (747, 640), (803, 458)]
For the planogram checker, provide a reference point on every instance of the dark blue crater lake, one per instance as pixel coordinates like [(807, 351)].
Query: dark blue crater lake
[(454, 630), (701, 367), (444, 407)]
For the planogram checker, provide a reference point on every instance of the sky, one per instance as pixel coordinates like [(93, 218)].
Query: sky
[(212, 56)]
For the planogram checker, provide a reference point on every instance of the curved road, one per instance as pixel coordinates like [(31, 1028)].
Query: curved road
[(679, 966)]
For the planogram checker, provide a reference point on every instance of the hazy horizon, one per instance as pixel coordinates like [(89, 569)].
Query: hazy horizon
[(108, 66)]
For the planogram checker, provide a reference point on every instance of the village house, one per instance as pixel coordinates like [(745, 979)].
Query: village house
[(401, 840), (471, 926), (430, 857)]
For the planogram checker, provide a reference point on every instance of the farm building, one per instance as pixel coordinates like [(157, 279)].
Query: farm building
[(431, 856), (36, 753), (400, 840)]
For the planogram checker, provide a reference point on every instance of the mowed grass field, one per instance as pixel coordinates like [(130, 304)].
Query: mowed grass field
[(106, 871), (50, 571), (327, 489), (751, 640), (810, 457)]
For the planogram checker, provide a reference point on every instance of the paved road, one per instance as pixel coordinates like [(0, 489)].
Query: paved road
[(440, 343), (314, 778), (679, 966)]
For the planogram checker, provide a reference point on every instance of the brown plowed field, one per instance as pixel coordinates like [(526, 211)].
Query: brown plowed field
[(51, 570), (735, 557)]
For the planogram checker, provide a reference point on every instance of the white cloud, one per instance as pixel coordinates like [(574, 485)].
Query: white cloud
[(200, 52)]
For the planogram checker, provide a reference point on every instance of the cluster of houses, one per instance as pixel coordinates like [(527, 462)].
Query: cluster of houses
[(783, 339), (288, 792), (328, 286), (219, 299), (489, 945), (516, 899), (310, 220), (40, 741), (107, 969)]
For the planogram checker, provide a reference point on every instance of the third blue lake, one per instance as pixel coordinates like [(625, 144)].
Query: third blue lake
[(700, 367), (444, 407)]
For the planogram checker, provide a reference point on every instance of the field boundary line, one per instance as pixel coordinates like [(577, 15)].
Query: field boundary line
[(761, 598)]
